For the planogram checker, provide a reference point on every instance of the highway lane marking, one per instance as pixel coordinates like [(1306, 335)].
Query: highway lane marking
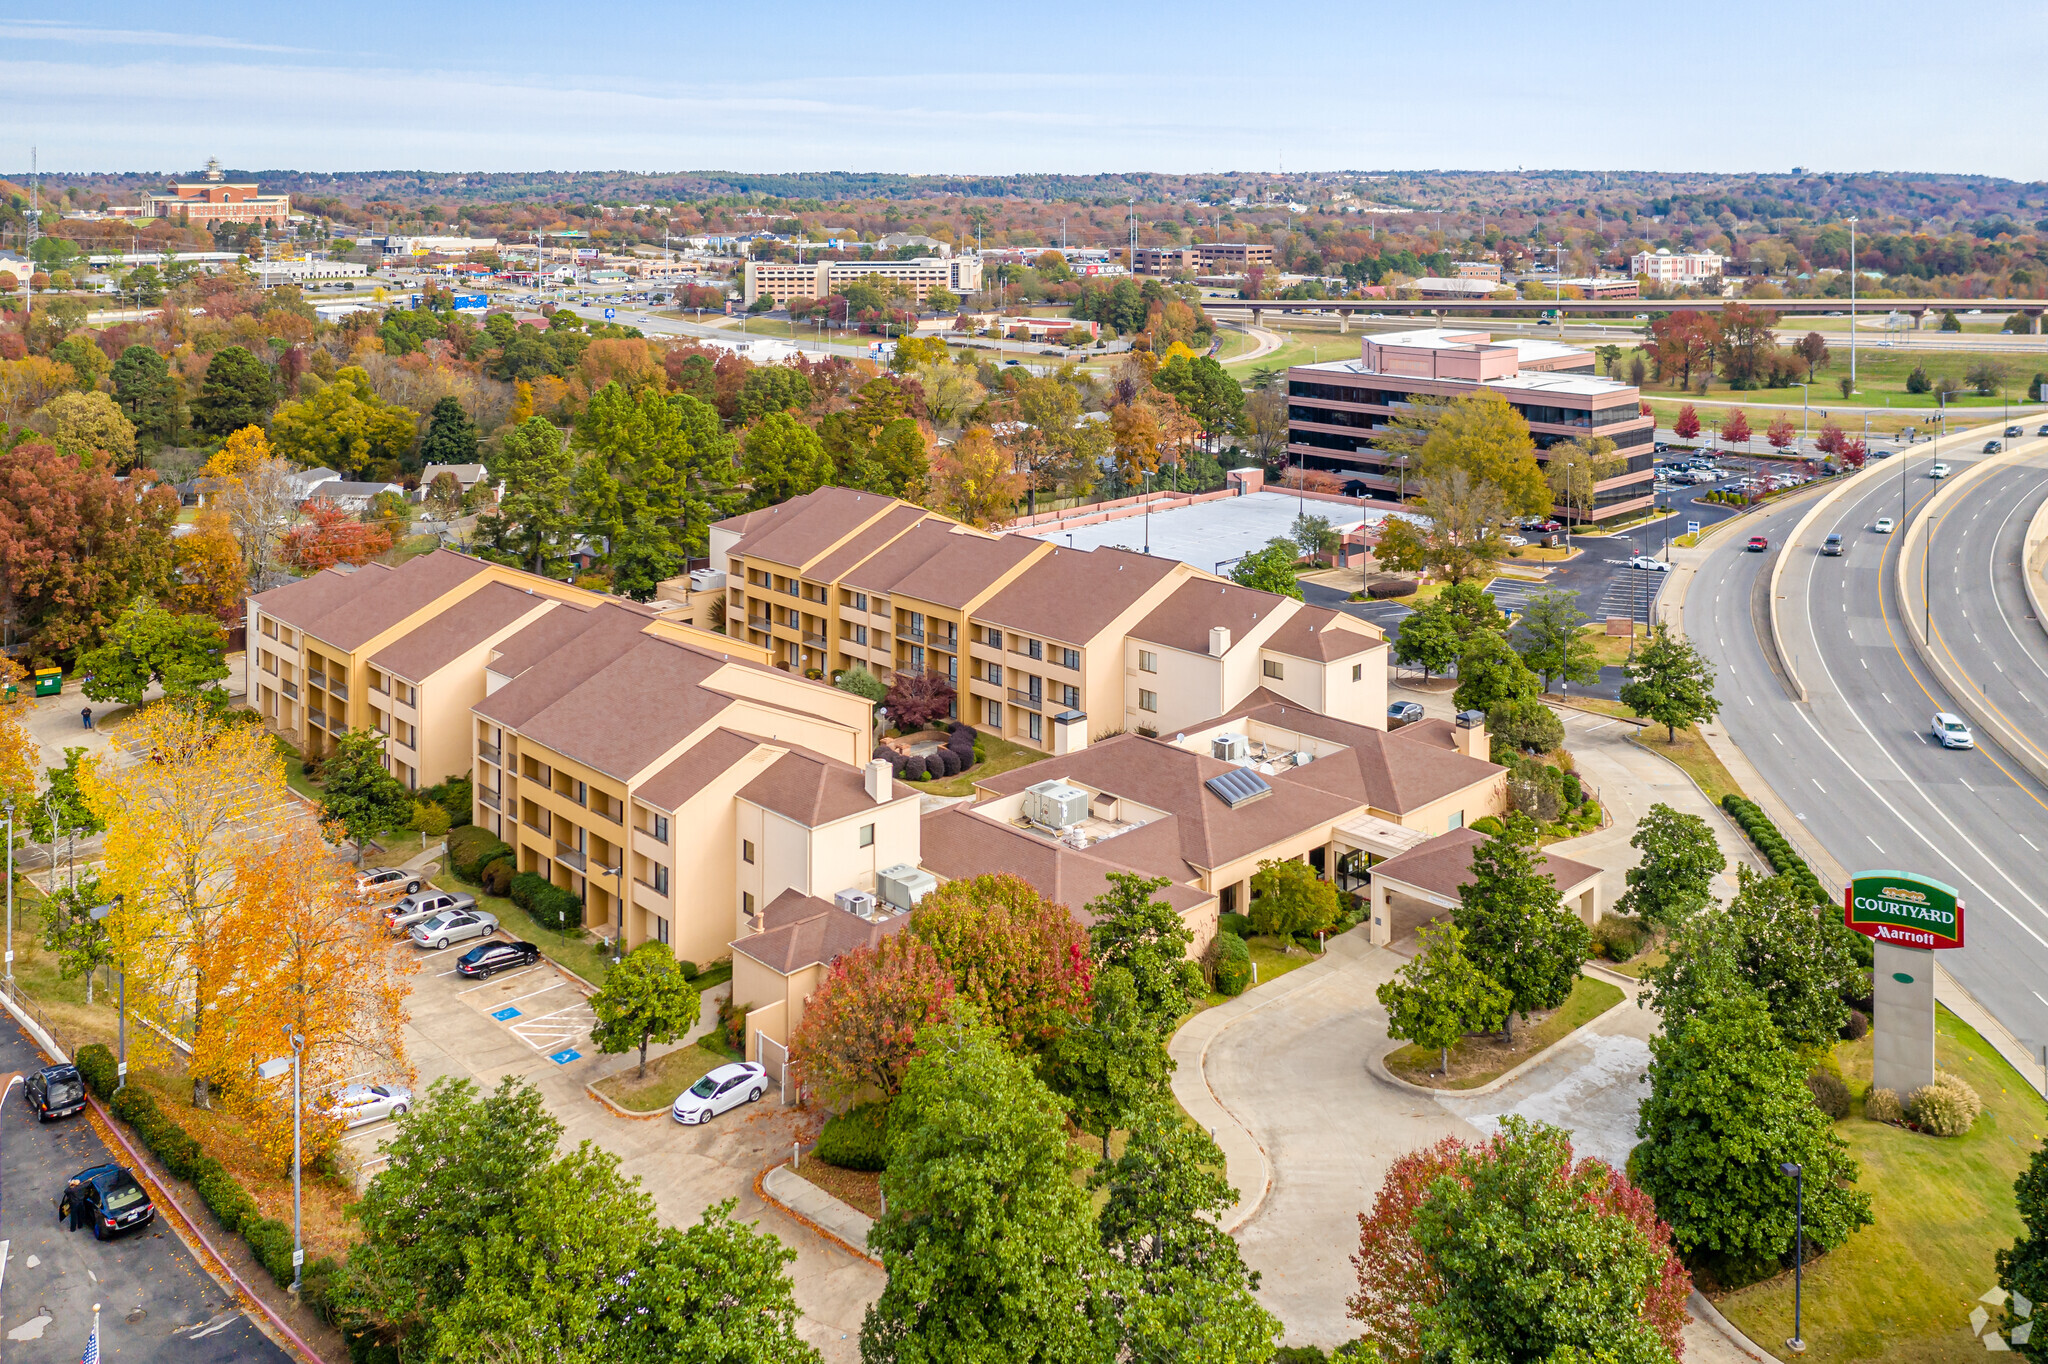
[(2028, 841), (1781, 742), (1966, 785), (1816, 782)]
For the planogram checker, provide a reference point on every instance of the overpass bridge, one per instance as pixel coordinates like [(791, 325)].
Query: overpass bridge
[(1443, 310)]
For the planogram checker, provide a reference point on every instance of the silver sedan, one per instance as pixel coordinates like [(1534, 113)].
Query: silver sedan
[(453, 925), (360, 1104)]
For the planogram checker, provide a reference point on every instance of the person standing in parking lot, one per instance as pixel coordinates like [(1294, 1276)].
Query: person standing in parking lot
[(73, 1206)]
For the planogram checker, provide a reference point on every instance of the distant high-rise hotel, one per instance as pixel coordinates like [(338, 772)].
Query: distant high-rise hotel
[(214, 200)]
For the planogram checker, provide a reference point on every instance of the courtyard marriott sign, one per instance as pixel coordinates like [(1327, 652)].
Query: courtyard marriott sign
[(1904, 910)]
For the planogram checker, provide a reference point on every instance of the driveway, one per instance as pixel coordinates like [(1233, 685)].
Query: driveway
[(156, 1302)]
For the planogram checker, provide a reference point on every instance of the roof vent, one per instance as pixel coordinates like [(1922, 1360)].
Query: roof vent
[(1241, 786)]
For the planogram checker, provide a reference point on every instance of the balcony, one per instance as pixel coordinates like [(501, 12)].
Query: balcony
[(569, 857), (338, 690), (291, 689), (815, 641), (651, 888), (317, 718), (1030, 700), (337, 729), (489, 798), (616, 816), (316, 679), (490, 754), (758, 622)]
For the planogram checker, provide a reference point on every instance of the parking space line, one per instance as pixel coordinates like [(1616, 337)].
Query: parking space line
[(556, 986), (524, 970)]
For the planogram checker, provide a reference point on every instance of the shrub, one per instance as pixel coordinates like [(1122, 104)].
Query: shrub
[(1234, 923), (1619, 937), (1589, 814), (1382, 589), (948, 760), (1947, 1108), (272, 1242), (689, 969), (1527, 724), (97, 1065), (430, 818), (471, 849), (1882, 1105), (1488, 825), (857, 1139), (1230, 964), (497, 878), (1574, 789), (1830, 1095), (1857, 1027), (315, 1282), (556, 908), (526, 888)]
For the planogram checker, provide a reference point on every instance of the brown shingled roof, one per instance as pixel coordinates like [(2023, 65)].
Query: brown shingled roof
[(807, 931), (349, 610), (1395, 772), (957, 843), (1319, 633), (621, 715), (1182, 621), (835, 565), (1444, 863), (800, 530), (813, 789), (695, 768), (574, 643), (1073, 594), (419, 653)]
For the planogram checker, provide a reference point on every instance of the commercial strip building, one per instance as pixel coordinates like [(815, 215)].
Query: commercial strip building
[(1437, 286), (1337, 409), (1662, 267), (1028, 631), (269, 273), (213, 200), (786, 280), (1228, 256)]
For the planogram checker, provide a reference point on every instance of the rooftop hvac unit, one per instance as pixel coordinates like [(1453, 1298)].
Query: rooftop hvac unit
[(858, 902), (904, 885), (1303, 758), (705, 579), (1230, 748), (1055, 805)]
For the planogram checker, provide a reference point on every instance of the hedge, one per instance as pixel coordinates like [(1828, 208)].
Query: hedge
[(1386, 588), (471, 849), (1764, 834), (1239, 924), (182, 1157), (550, 905), (857, 1139)]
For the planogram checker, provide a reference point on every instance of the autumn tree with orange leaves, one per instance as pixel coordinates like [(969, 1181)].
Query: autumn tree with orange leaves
[(859, 1031), (182, 797), (331, 536), (304, 958), (1510, 1248)]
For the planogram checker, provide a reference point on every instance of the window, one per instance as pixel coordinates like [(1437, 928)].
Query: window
[(1358, 672), (860, 635), (1036, 724), (1148, 662), (747, 851), (1070, 697), (661, 828), (1034, 648), (1069, 658), (953, 669), (995, 673), (660, 879), (1148, 700), (867, 835), (1457, 820), (917, 658), (747, 902), (995, 716), (860, 601), (661, 930), (994, 637), (1275, 670)]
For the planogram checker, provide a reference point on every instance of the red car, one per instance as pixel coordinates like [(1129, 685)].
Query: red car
[(1759, 543)]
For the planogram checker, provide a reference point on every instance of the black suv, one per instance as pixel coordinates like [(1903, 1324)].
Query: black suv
[(55, 1092), (114, 1202)]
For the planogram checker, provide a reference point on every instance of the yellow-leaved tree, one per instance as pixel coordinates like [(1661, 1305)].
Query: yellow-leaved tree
[(304, 957), (182, 797)]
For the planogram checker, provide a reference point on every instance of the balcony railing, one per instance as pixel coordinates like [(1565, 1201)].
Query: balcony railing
[(489, 798), (291, 689), (617, 816), (338, 690), (815, 641), (317, 717), (540, 821), (316, 679), (915, 632), (758, 622), (651, 888), (1030, 700), (569, 857), (490, 753)]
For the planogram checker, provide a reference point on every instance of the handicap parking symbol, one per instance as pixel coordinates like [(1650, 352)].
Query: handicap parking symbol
[(563, 1058), (505, 1015)]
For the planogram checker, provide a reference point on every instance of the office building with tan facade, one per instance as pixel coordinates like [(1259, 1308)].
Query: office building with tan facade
[(783, 281)]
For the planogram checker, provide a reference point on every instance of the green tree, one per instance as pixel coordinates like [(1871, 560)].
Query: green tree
[(1541, 1259), (990, 1247), (775, 388), (651, 480), (88, 362), (1486, 439), (1289, 898), (79, 941), (62, 804), (148, 395), (1473, 609), (1728, 1102), (645, 999), (2024, 1268), (1771, 941), (537, 470), (1675, 878), (361, 798), (451, 435), (1527, 725), (1205, 390), (1314, 535), (858, 680), (1109, 1067), (1270, 569), (1146, 936), (1491, 673), (1949, 321), (149, 645), (1552, 643), (783, 459), (1186, 1295), (1517, 929), (1441, 995), (1429, 639), (236, 392), (85, 425), (344, 426), (1670, 684)]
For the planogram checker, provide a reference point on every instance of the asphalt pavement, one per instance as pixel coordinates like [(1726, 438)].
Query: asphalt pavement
[(156, 1301), (1855, 763)]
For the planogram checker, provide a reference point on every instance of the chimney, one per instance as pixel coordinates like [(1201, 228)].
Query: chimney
[(881, 781), (1069, 732), (1472, 739), (1219, 640)]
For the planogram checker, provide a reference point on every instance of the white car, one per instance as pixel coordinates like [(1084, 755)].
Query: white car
[(1938, 471), (1646, 562), (1513, 541), (725, 1087), (359, 1104), (453, 925), (1885, 525), (1951, 732)]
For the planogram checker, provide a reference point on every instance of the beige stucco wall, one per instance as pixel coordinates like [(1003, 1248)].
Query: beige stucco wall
[(1474, 802)]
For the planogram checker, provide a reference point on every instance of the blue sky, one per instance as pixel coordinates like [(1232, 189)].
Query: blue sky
[(981, 88)]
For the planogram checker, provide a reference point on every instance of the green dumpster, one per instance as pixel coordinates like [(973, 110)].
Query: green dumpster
[(49, 681)]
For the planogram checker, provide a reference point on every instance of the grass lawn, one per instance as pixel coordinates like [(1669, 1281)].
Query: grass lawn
[(1476, 1060), (406, 547), (1003, 756), (294, 769), (1272, 958), (1649, 961), (1303, 348), (1612, 650), (1902, 1289), (1880, 382), (667, 1076)]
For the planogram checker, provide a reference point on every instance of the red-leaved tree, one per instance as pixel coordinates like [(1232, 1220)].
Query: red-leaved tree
[(1782, 432), (1406, 1292), (860, 1028), (1021, 959), (1853, 453), (1736, 428), (1688, 424), (918, 699), (1831, 440), (331, 536)]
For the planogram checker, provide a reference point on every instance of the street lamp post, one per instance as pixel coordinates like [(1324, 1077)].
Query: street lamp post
[(10, 892), (1797, 1173), (271, 1070), (618, 875), (1805, 414), (1852, 304), (99, 912)]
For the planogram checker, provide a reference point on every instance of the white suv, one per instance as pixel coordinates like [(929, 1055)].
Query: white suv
[(1951, 732)]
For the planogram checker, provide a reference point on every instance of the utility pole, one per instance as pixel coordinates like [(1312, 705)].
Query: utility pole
[(1852, 304), (35, 225)]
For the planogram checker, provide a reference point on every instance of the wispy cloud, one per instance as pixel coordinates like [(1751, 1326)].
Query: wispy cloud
[(51, 31)]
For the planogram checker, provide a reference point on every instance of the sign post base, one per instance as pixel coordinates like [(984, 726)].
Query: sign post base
[(1903, 1048)]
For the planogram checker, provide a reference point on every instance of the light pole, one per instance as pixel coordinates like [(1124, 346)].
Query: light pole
[(98, 913), (271, 1070), (1805, 413), (1796, 1173), (10, 892), (1852, 304), (618, 875)]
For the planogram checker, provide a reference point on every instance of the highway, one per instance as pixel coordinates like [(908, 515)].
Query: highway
[(1855, 763)]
